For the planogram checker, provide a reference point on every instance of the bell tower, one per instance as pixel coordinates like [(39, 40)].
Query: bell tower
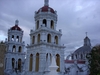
[(45, 41), (15, 49)]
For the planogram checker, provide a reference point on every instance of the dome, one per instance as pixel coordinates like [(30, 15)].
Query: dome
[(16, 27), (83, 49), (46, 9)]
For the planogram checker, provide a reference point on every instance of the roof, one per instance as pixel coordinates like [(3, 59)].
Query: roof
[(83, 49), (73, 61), (46, 9), (86, 38), (16, 27)]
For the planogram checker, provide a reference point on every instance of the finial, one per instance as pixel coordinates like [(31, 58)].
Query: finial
[(46, 2), (86, 34), (16, 22)]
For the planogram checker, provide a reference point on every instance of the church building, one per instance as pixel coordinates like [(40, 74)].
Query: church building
[(44, 48), (45, 43)]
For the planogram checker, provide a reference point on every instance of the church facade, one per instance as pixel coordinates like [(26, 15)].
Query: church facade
[(45, 43)]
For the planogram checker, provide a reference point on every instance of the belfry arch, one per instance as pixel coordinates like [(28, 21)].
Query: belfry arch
[(58, 62), (81, 56), (19, 64), (12, 38), (17, 39), (14, 48), (38, 39), (47, 57), (13, 63), (52, 24), (19, 49), (56, 39), (45, 22), (49, 38), (33, 39), (37, 63), (31, 62)]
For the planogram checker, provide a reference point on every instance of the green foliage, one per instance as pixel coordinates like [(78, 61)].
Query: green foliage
[(94, 60)]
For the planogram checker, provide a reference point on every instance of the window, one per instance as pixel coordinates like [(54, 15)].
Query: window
[(33, 40), (49, 38), (19, 64), (58, 62), (20, 49), (37, 62), (31, 62), (45, 22), (13, 63), (38, 40), (14, 49), (52, 24), (56, 39)]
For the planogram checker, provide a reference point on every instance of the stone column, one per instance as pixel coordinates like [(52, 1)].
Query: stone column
[(48, 23), (52, 38), (10, 38), (27, 63), (59, 40), (14, 38), (54, 25), (40, 22), (62, 63), (36, 39), (42, 62)]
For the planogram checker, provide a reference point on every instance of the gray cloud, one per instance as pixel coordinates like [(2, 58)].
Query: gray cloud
[(75, 17)]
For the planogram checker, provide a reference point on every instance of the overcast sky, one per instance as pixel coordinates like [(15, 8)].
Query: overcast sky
[(75, 17)]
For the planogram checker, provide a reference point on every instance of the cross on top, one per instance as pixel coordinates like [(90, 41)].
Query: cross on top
[(16, 22), (86, 33), (46, 2)]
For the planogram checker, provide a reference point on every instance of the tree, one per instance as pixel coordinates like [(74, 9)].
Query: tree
[(94, 60)]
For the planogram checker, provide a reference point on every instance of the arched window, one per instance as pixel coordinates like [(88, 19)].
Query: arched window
[(81, 56), (45, 22), (47, 57), (19, 64), (38, 40), (37, 25), (17, 39), (58, 62), (13, 63), (52, 24), (8, 38), (20, 49), (50, 59), (12, 38), (76, 56), (31, 62), (56, 39), (33, 40), (37, 62), (14, 49), (49, 38), (72, 57)]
